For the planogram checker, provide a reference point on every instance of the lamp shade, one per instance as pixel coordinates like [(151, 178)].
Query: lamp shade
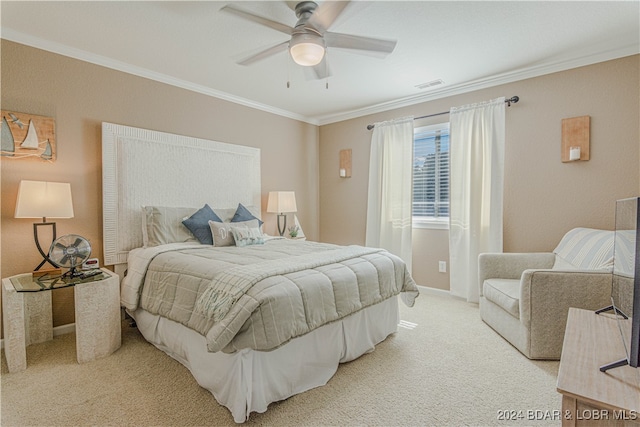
[(282, 201), (40, 199)]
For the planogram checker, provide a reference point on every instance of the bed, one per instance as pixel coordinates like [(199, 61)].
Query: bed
[(255, 318)]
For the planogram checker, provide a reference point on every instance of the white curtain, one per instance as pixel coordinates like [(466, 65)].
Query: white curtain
[(476, 185), (390, 188)]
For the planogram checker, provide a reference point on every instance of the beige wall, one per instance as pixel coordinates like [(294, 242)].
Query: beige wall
[(79, 96), (543, 197)]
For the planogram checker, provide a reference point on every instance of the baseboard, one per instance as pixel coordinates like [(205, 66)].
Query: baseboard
[(64, 329), (434, 291), (58, 330)]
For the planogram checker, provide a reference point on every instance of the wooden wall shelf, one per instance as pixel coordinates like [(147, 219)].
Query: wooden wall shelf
[(345, 163), (575, 133)]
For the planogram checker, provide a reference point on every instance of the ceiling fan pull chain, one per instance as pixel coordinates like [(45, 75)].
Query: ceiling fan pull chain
[(326, 68)]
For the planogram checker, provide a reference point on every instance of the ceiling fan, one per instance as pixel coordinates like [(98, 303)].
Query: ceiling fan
[(310, 38)]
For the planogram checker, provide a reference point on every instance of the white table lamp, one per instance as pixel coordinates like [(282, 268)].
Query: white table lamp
[(281, 202), (40, 199)]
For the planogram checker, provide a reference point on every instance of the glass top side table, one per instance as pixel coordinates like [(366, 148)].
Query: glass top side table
[(28, 283), (27, 317)]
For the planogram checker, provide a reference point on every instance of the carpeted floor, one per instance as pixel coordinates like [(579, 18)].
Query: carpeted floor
[(449, 370)]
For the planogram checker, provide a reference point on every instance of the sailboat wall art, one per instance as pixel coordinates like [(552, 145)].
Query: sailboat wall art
[(27, 136)]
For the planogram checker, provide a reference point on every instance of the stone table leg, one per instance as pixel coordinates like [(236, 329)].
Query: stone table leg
[(26, 318), (98, 326)]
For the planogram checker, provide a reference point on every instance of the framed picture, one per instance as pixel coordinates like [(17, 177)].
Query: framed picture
[(27, 136)]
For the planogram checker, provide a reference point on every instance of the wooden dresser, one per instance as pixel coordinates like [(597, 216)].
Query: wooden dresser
[(591, 397)]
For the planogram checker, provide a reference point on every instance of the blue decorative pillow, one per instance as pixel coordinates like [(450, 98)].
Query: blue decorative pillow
[(243, 214), (198, 224)]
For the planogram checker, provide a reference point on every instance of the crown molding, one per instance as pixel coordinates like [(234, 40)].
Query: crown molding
[(498, 79), (82, 55)]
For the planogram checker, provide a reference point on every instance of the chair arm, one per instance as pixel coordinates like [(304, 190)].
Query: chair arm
[(546, 295), (510, 265)]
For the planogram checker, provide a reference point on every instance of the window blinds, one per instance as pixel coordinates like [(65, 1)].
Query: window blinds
[(431, 172)]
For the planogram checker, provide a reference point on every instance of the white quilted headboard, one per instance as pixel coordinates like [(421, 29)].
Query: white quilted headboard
[(143, 168)]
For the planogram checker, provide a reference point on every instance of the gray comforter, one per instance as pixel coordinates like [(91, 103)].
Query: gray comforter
[(271, 293)]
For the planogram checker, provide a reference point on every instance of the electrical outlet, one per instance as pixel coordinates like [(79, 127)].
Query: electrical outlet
[(442, 266)]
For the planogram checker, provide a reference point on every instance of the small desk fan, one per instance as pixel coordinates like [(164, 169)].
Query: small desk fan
[(70, 251)]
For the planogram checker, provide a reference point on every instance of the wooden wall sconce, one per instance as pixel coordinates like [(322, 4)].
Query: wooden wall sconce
[(575, 138), (345, 163)]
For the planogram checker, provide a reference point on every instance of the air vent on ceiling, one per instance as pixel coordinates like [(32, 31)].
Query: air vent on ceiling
[(430, 84)]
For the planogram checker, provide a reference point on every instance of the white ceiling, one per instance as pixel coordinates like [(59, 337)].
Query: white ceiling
[(468, 45)]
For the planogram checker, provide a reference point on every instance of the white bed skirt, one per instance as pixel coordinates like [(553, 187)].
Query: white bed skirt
[(248, 380)]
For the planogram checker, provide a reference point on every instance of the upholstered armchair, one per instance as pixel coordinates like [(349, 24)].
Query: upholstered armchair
[(525, 297)]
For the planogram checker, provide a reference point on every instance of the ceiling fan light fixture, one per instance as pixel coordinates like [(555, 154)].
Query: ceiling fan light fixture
[(307, 49)]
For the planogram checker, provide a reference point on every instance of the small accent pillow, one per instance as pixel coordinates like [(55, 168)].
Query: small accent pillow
[(162, 224), (246, 236), (221, 231), (587, 248), (562, 264), (243, 214), (198, 224)]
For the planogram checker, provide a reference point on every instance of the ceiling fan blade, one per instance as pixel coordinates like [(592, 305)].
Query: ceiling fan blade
[(283, 28), (321, 71), (347, 41), (265, 53), (325, 15)]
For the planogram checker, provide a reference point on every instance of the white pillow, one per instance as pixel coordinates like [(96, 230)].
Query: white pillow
[(163, 224)]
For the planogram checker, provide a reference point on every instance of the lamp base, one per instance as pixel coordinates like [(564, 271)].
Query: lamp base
[(45, 256), (283, 228)]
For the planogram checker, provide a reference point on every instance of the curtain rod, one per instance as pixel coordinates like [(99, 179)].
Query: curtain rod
[(513, 99)]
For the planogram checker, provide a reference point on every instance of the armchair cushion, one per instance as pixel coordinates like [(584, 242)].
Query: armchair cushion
[(505, 293)]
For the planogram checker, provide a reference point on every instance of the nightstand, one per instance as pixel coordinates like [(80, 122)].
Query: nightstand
[(26, 315)]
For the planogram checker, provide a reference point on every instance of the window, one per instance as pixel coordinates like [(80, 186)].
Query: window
[(431, 176)]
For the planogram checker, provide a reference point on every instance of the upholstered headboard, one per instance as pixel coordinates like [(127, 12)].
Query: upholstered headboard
[(147, 168)]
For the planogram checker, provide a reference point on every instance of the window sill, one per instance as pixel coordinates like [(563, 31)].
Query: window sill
[(433, 224)]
